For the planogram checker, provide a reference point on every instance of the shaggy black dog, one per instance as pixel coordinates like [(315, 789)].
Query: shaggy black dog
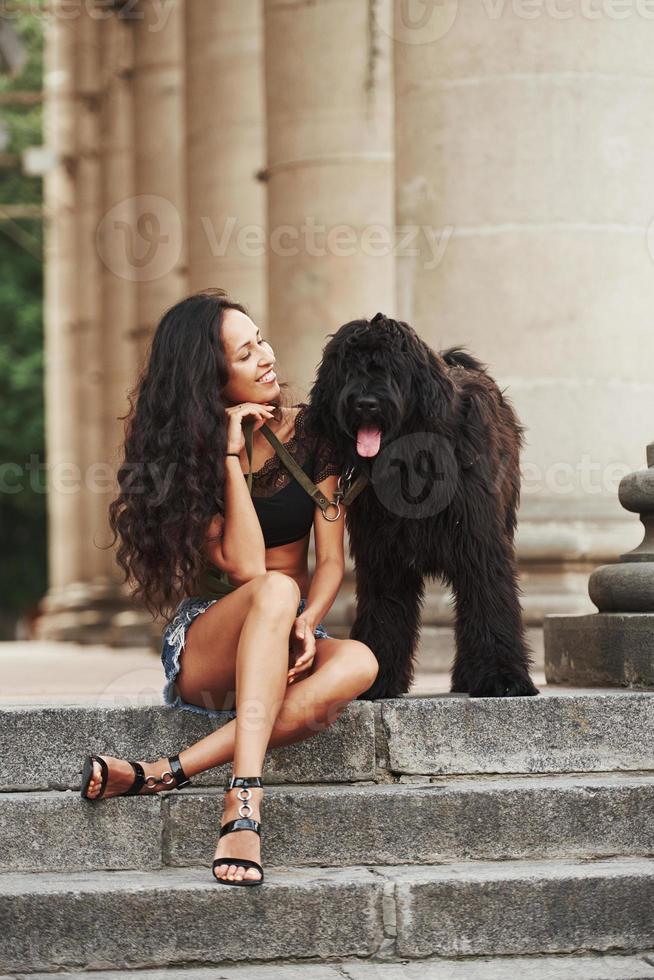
[(439, 446)]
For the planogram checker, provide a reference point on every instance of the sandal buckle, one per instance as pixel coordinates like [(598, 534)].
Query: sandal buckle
[(243, 781), (162, 779), (245, 805)]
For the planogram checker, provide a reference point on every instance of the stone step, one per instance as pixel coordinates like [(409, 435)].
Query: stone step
[(43, 746), (447, 819), (138, 919), (563, 967), (576, 731)]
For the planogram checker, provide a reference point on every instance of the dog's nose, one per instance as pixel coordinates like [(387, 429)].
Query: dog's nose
[(367, 403)]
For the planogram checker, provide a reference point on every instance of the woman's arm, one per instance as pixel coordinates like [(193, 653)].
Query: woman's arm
[(240, 550), (212, 545), (330, 558)]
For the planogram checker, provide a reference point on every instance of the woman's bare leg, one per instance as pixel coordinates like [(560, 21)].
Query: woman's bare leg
[(261, 680), (208, 672), (277, 717), (342, 669)]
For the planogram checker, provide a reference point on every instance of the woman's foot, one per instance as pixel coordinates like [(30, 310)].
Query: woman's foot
[(121, 777), (239, 843)]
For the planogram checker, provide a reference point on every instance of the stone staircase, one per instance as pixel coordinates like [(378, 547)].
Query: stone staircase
[(445, 837)]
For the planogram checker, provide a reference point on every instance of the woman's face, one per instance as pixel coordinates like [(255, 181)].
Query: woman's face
[(249, 358)]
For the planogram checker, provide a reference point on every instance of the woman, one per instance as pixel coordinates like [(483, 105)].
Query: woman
[(209, 370)]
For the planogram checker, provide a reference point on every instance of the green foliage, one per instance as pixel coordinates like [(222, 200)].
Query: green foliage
[(23, 523)]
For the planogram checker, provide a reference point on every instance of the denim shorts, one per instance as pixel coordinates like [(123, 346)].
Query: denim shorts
[(174, 636)]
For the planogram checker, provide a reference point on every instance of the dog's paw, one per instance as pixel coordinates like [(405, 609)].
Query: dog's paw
[(504, 687)]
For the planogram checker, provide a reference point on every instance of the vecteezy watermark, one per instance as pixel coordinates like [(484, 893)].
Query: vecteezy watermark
[(582, 477), (419, 21), (154, 14), (318, 240), (140, 238), (426, 21), (569, 9), (68, 477), (416, 475)]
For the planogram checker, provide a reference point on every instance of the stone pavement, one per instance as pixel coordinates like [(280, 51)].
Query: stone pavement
[(64, 671)]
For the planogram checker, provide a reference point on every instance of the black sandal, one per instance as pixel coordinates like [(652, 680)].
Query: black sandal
[(243, 822), (176, 777)]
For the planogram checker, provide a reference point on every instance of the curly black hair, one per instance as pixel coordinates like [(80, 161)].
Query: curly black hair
[(172, 477)]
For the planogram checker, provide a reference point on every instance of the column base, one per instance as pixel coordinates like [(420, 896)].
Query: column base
[(600, 650), (95, 614)]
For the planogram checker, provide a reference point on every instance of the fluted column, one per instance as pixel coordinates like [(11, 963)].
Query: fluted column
[(225, 150), (159, 267), (86, 375), (329, 173), (116, 231), (123, 250), (63, 437), (79, 571), (524, 155), (91, 318)]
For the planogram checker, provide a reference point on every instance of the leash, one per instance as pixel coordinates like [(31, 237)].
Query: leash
[(345, 492), (318, 496)]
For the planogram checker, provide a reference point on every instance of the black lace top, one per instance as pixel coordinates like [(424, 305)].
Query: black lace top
[(284, 508)]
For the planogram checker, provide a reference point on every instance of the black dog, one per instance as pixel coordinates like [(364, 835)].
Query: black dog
[(440, 447)]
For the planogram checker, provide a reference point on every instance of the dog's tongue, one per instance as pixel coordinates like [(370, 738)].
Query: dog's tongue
[(368, 440)]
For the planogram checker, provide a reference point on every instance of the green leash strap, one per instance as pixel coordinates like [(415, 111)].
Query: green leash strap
[(321, 500)]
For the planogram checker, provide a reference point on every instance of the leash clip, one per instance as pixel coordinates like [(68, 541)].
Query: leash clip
[(338, 496)]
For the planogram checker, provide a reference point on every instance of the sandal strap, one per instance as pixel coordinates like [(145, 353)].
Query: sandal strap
[(243, 862), (139, 779), (181, 779), (241, 823), (105, 775), (246, 781)]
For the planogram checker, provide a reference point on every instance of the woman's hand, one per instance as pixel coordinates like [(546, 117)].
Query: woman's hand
[(302, 647), (235, 416)]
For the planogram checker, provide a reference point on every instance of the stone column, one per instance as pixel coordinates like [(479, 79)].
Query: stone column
[(225, 150), (77, 468), (524, 156), (91, 316), (116, 231), (66, 552), (329, 172), (86, 375), (159, 267), (120, 247)]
